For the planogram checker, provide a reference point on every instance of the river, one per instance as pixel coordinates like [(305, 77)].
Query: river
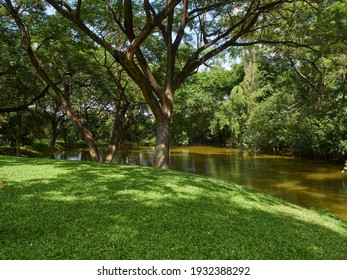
[(308, 183)]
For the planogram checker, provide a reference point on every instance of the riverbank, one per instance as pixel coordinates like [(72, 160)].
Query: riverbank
[(36, 150), (311, 184), (82, 210)]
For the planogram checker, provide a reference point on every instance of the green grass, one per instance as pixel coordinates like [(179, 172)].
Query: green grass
[(80, 210)]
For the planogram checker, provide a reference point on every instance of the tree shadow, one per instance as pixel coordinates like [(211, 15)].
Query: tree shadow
[(93, 211)]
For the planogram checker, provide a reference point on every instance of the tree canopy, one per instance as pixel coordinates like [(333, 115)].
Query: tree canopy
[(159, 45)]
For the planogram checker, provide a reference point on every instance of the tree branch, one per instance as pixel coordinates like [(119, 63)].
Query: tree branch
[(25, 37), (116, 16), (128, 19), (27, 104), (152, 22), (183, 24), (78, 9), (65, 10)]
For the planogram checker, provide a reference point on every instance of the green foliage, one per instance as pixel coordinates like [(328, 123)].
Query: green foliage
[(279, 104), (18, 80), (232, 116), (268, 124), (280, 98), (31, 126), (318, 136), (82, 71), (198, 115), (74, 210)]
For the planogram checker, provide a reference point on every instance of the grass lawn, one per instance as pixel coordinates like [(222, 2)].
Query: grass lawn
[(80, 210)]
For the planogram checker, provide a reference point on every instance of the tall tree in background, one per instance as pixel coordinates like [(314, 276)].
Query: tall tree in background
[(19, 84), (35, 12), (208, 28), (83, 78)]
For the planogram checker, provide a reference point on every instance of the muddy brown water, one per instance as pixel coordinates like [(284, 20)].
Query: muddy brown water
[(312, 184)]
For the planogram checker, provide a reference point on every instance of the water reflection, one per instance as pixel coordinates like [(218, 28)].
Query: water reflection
[(304, 182)]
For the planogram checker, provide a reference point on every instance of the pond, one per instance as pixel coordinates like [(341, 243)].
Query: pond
[(308, 183)]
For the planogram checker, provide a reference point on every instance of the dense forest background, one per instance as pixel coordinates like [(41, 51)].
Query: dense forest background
[(266, 104), (280, 98)]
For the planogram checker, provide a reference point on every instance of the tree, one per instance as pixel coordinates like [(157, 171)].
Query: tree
[(208, 27), (317, 127), (87, 86), (19, 85), (52, 110), (62, 93), (294, 106), (201, 114)]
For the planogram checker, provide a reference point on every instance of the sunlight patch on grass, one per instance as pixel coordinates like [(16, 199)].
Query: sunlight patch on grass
[(61, 196), (312, 217), (280, 208), (149, 198), (70, 210)]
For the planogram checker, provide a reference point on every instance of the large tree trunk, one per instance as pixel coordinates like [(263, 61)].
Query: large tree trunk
[(163, 137), (111, 152), (162, 150), (114, 142), (93, 150), (87, 135)]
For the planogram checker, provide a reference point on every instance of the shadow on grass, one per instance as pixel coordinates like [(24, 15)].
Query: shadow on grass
[(93, 211)]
